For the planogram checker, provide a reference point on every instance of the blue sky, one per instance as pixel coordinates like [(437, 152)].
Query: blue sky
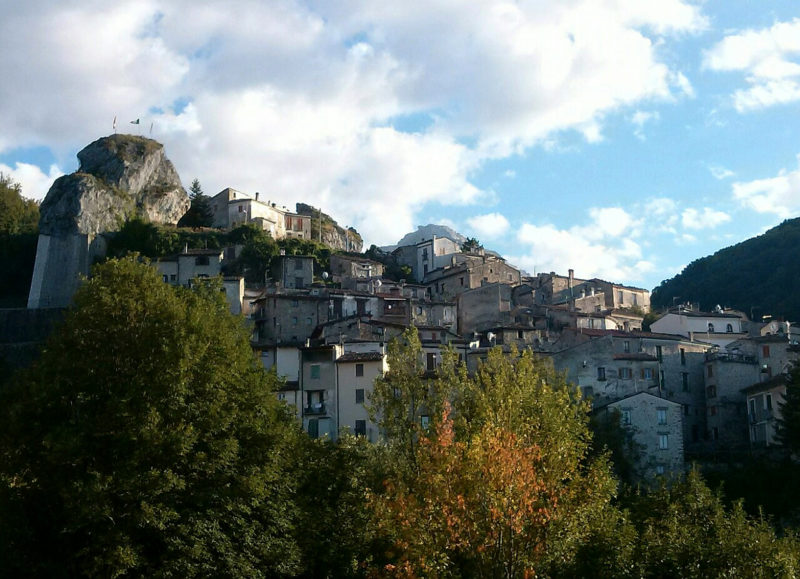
[(620, 138)]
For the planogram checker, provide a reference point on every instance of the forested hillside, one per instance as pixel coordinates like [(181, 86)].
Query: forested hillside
[(761, 273)]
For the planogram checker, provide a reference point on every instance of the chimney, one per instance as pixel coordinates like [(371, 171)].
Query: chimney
[(256, 195)]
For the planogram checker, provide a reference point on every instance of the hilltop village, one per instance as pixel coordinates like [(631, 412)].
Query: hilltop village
[(696, 384)]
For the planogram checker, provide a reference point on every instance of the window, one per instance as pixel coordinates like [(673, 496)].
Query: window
[(659, 469), (626, 346), (359, 396), (647, 373), (621, 297), (659, 354), (308, 321), (294, 320), (752, 404), (359, 370), (711, 391), (431, 361), (685, 381), (710, 328), (710, 371), (315, 371), (313, 428), (768, 402), (683, 357), (201, 260), (241, 208), (166, 278), (765, 351), (661, 414), (729, 328), (520, 334), (424, 421), (625, 373), (173, 277), (663, 441), (361, 428), (626, 417), (601, 373)]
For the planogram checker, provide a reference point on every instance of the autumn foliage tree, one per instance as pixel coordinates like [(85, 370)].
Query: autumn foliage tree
[(501, 484)]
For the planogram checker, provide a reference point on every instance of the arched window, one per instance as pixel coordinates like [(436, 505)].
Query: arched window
[(729, 328), (710, 327)]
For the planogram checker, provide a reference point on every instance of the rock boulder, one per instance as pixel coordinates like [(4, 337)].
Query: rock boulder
[(120, 176)]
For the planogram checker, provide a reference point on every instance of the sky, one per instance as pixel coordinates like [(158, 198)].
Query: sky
[(619, 138)]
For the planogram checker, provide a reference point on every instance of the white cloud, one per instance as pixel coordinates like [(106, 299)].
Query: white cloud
[(490, 225), (768, 58), (779, 195), (720, 172), (34, 182), (706, 218), (303, 101), (639, 119)]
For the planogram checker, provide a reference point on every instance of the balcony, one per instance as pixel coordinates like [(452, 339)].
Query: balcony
[(315, 409), (730, 357)]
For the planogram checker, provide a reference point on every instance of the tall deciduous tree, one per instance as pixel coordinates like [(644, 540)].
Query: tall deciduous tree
[(500, 483), (146, 441)]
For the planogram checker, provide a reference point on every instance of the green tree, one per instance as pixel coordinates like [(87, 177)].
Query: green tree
[(500, 483), (200, 213), (17, 214), (684, 530), (146, 441), (19, 221), (470, 245), (789, 423)]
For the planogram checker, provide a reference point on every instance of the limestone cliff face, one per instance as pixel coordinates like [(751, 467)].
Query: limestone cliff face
[(120, 176), (332, 234)]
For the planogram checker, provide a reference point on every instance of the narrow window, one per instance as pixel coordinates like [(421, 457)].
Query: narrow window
[(360, 371), (661, 413), (359, 396), (765, 351), (685, 381), (361, 428), (683, 357), (601, 373), (315, 371), (663, 441)]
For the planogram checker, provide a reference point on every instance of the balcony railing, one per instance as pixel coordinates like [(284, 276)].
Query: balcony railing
[(318, 408), (729, 357)]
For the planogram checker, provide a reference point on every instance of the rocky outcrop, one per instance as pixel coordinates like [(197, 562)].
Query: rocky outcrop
[(120, 176), (332, 234)]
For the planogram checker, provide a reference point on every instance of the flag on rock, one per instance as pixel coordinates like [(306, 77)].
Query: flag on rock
[(114, 124), (136, 122)]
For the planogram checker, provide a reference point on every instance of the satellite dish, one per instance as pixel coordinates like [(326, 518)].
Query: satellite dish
[(325, 275), (490, 336), (378, 283)]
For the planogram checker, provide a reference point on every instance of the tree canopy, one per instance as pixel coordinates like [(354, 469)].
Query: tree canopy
[(19, 231), (200, 213), (147, 440)]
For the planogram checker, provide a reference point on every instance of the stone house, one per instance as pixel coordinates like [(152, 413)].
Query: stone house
[(357, 371), (469, 272), (656, 426), (231, 208), (718, 327), (293, 271), (356, 273), (727, 372), (764, 401), (609, 365), (193, 264)]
